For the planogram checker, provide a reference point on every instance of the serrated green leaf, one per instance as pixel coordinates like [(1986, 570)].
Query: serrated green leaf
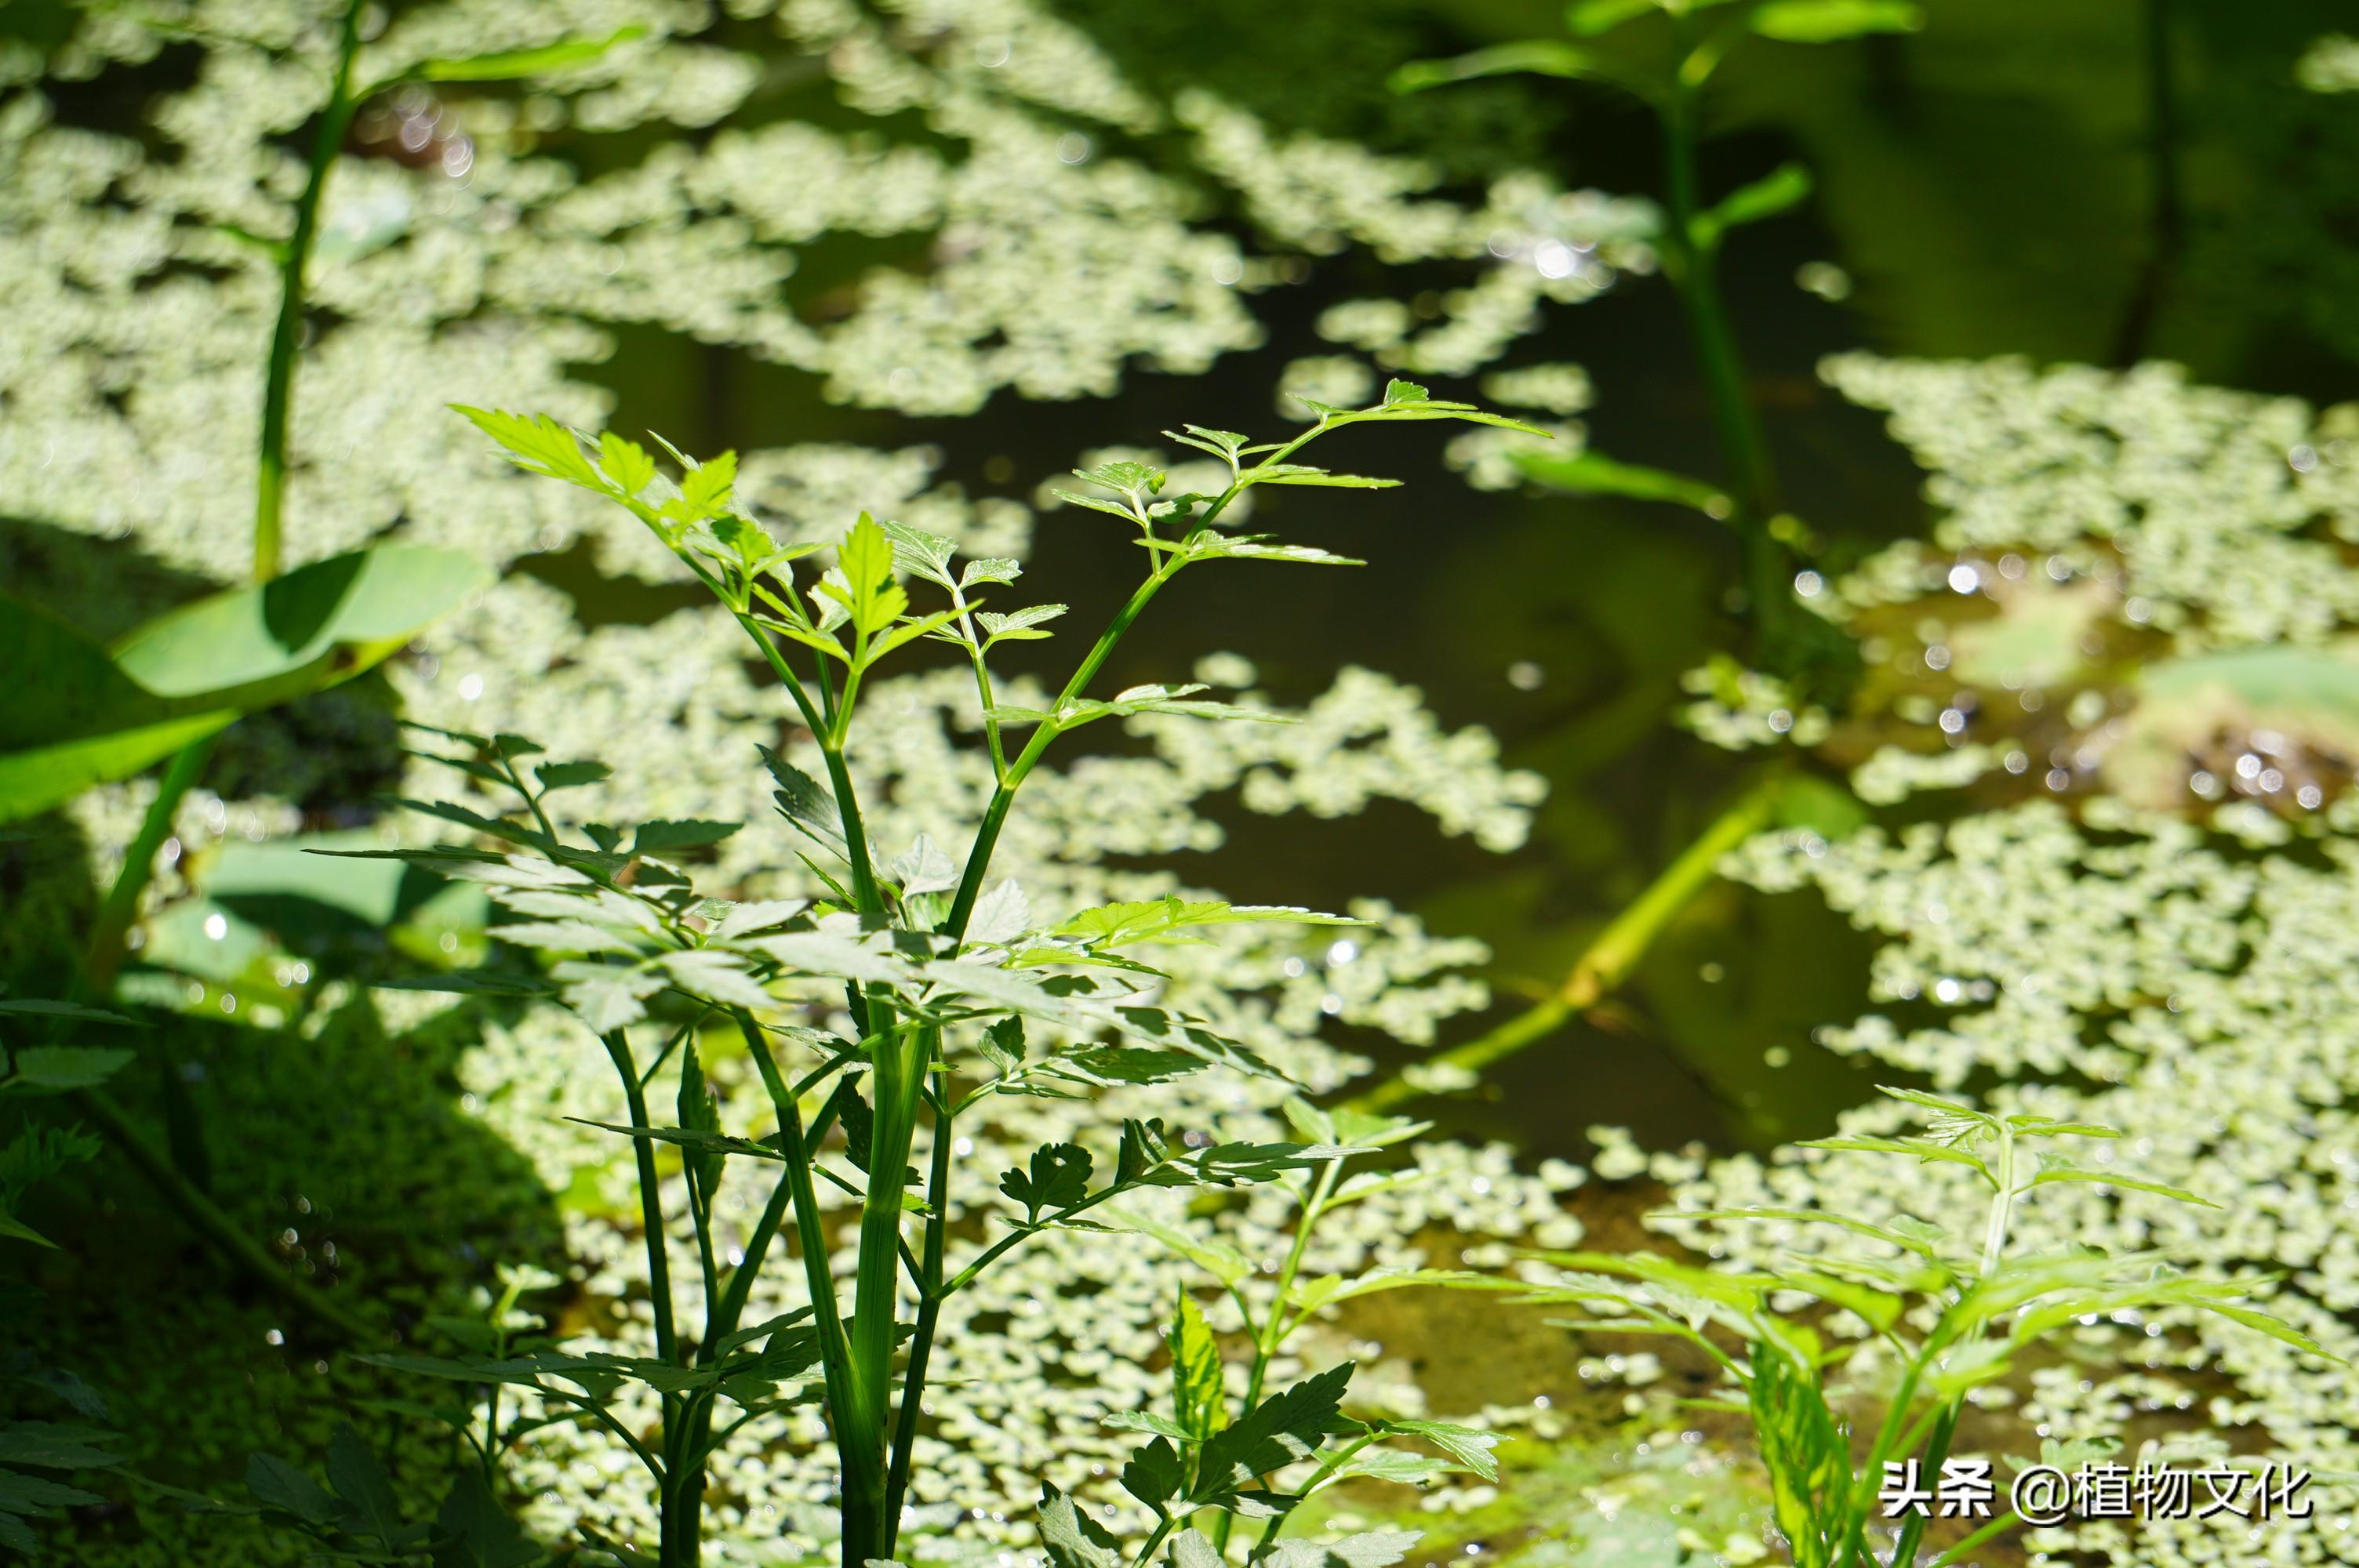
[(54, 1069), (275, 1484), (1058, 1177), (1469, 1446), (1282, 1429), (1197, 1396), (1070, 1538), (364, 1490)]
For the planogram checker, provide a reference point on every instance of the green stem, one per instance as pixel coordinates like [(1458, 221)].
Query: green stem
[(1936, 1452), (1692, 257), (278, 386), (995, 814), (1988, 1532), (859, 1458), (930, 1312), (1695, 254), (651, 1221), (1163, 1528), (1273, 1330), (210, 1221), (1604, 964), (651, 1224), (104, 955)]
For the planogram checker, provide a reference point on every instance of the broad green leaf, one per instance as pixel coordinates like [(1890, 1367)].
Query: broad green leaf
[(924, 867), (1826, 21), (1299, 473), (566, 936), (991, 569), (1136, 480), (1003, 1044), (1129, 1064), (1590, 17), (15, 1229), (312, 628), (921, 553), (1190, 1548), (705, 488), (1019, 625), (1212, 547), (1397, 1466), (2309, 694), (1144, 1421), (1002, 914), (1137, 700), (1593, 473), (74, 719)]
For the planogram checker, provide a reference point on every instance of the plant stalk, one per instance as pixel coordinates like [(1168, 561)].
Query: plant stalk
[(285, 340), (208, 1220), (1603, 966)]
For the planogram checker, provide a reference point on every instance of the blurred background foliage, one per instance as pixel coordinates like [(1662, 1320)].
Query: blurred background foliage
[(2092, 182)]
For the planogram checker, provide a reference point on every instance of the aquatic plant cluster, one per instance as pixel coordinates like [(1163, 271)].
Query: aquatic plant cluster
[(2124, 640), (2147, 966)]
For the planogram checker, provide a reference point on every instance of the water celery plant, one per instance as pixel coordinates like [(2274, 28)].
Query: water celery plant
[(1946, 1310), (937, 987), (1259, 1457)]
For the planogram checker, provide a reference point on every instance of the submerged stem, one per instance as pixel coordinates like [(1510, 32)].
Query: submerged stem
[(1605, 963)]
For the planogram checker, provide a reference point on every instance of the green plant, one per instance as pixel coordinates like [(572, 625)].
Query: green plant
[(1948, 1309), (1665, 53), (36, 1456), (940, 973), (1261, 1458), (87, 713)]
